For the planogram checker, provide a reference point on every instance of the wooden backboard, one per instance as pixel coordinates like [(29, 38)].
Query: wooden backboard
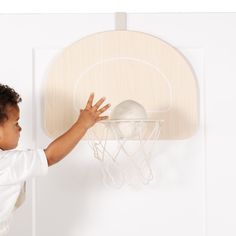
[(123, 65)]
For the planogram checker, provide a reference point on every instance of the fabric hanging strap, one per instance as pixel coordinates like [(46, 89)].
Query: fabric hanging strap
[(121, 21)]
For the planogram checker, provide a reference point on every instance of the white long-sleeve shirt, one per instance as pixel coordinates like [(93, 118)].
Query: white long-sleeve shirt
[(15, 168)]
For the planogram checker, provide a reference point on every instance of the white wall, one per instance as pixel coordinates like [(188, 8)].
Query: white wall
[(193, 192)]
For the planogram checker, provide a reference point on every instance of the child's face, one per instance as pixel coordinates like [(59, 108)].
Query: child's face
[(10, 129)]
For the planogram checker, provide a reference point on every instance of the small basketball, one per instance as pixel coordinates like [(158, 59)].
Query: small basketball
[(128, 111)]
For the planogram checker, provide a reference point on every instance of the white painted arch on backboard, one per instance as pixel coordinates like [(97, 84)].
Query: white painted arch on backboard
[(123, 65)]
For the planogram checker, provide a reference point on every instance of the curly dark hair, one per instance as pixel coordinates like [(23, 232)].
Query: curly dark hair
[(8, 97)]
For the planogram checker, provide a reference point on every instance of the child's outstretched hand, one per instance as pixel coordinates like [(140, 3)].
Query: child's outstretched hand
[(62, 145), (92, 113)]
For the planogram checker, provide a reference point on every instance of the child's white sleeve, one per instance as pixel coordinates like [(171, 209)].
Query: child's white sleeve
[(17, 166)]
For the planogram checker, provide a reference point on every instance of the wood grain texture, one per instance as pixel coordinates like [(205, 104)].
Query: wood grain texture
[(123, 65)]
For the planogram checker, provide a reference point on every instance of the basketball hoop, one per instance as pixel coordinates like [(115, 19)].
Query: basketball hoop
[(134, 149)]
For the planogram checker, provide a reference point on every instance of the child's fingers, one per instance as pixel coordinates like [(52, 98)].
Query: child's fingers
[(90, 101), (100, 111), (102, 118), (98, 104)]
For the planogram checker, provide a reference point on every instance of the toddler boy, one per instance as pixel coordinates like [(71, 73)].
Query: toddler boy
[(16, 166)]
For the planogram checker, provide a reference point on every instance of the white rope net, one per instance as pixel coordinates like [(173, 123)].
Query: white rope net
[(126, 159)]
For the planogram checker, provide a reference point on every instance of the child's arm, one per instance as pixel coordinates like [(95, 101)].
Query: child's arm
[(62, 145)]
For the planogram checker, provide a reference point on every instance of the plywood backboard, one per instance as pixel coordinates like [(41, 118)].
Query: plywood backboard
[(123, 65)]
